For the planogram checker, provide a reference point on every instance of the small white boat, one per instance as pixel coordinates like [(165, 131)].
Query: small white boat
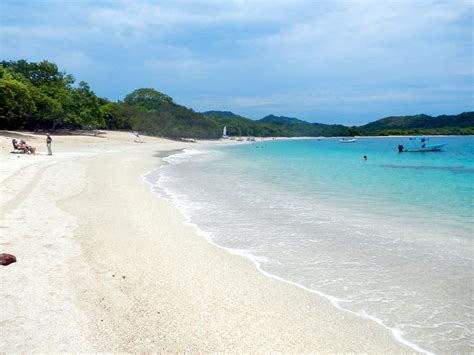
[(347, 140), (224, 133)]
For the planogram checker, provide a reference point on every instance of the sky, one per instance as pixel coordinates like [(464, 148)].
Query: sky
[(328, 61)]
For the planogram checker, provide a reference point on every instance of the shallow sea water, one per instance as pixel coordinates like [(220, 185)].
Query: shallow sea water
[(389, 238)]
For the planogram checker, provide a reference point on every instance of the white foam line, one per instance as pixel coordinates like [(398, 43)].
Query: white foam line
[(335, 301)]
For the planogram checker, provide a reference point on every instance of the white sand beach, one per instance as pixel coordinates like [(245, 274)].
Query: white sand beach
[(103, 264)]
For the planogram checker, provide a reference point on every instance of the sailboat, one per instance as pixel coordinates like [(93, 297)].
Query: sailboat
[(224, 133), (422, 147)]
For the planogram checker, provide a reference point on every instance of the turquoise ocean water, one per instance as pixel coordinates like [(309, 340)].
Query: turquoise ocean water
[(389, 238)]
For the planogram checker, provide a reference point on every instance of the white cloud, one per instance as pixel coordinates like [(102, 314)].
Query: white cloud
[(255, 54), (141, 14), (324, 100), (394, 32)]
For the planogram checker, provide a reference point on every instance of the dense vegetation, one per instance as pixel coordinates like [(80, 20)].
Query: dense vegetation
[(38, 96), (276, 126), (420, 124), (301, 128)]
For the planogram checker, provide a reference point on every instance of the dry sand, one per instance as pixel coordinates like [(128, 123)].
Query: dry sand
[(106, 265)]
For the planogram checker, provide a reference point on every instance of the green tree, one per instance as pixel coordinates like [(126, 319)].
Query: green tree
[(87, 107), (16, 102), (148, 98), (39, 74), (111, 113), (48, 113)]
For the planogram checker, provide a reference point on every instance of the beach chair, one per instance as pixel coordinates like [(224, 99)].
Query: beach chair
[(16, 148)]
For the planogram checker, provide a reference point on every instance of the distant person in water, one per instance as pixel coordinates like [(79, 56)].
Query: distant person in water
[(49, 141), (365, 158)]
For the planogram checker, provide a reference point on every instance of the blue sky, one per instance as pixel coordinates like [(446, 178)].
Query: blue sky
[(323, 61)]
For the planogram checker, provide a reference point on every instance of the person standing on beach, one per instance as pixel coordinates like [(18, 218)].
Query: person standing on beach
[(49, 140)]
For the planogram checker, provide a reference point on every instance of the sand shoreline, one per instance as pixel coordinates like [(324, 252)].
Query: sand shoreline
[(105, 265), (335, 302)]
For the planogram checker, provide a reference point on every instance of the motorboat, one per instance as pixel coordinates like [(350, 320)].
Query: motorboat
[(347, 140), (419, 144)]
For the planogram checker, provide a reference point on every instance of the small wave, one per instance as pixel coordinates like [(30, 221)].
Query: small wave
[(184, 155), (155, 179), (188, 154)]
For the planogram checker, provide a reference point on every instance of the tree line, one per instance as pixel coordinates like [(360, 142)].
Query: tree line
[(39, 96)]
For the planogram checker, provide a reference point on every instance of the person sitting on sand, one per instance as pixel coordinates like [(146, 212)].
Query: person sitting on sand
[(27, 148), (16, 146), (19, 147)]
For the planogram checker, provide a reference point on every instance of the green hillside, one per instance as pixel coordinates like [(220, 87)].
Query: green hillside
[(422, 124), (299, 128), (282, 120), (38, 96), (465, 119)]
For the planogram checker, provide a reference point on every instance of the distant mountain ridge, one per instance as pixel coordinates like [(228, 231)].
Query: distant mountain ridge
[(279, 125), (462, 123), (463, 120), (282, 120), (37, 96), (220, 114)]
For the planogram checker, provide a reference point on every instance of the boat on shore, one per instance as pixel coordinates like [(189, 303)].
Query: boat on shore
[(347, 140), (421, 146)]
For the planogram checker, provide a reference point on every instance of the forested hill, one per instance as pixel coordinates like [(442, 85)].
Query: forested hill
[(462, 124), (282, 120), (302, 128), (276, 126), (220, 114), (421, 122), (38, 96)]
